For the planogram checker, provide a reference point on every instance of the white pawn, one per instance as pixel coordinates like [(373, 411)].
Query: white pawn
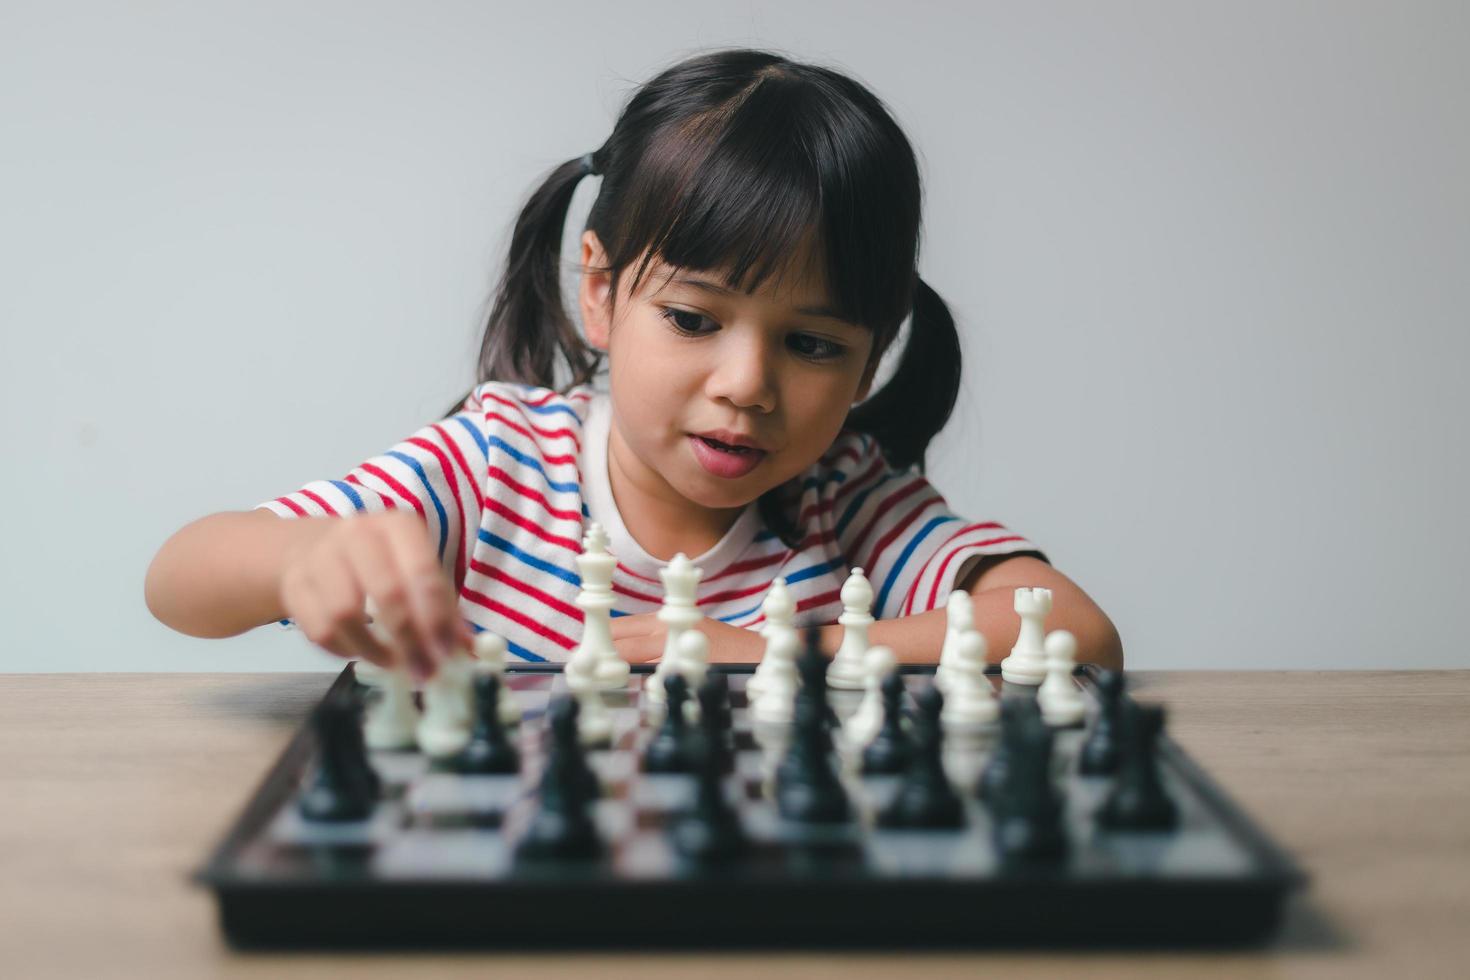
[(959, 615), (1061, 702), (444, 728), (863, 724), (777, 702), (970, 700), (490, 652), (594, 720), (847, 671), (392, 717), (678, 613), (779, 610), (692, 659), (595, 664), (1027, 662)]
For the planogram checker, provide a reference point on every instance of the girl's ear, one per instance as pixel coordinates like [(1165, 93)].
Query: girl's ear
[(594, 293)]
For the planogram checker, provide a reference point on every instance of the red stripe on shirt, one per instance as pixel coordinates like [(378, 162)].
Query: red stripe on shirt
[(316, 499)]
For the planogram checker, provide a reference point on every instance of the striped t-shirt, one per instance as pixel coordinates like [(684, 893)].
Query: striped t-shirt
[(507, 485)]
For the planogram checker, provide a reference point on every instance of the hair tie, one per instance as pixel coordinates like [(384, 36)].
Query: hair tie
[(587, 167)]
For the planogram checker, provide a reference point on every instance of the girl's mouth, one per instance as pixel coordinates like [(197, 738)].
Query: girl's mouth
[(730, 462)]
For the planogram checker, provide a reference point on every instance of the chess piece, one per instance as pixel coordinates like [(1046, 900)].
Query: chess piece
[(807, 787), (1137, 800), (1060, 699), (847, 671), (863, 724), (444, 729), (1027, 662), (344, 786), (488, 751), (678, 613), (392, 717), (969, 701), (1099, 754), (490, 650), (562, 827), (710, 832), (1028, 810), (778, 609), (889, 751), (594, 720), (595, 664), (776, 702), (959, 616), (715, 720), (1015, 713), (925, 799), (667, 751), (692, 657)]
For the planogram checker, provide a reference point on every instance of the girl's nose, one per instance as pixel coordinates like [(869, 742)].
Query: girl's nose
[(744, 375)]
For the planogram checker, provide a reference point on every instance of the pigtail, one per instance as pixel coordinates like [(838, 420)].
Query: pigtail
[(528, 327), (907, 413)]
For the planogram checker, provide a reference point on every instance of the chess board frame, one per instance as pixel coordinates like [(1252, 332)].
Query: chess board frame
[(1026, 906)]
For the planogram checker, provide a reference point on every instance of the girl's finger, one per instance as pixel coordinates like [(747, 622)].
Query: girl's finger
[(429, 593)]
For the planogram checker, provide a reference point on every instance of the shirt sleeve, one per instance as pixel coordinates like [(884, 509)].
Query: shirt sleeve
[(898, 528), (437, 474)]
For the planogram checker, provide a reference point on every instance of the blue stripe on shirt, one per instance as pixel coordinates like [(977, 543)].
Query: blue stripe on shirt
[(418, 468), (903, 557)]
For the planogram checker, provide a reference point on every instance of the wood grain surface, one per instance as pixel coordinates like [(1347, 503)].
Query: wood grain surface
[(113, 788)]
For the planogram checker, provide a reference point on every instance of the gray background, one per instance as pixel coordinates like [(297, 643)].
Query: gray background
[(1210, 262)]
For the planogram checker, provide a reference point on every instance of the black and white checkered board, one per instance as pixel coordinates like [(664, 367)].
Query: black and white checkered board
[(435, 863)]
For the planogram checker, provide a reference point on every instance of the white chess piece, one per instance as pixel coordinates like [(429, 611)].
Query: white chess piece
[(863, 724), (692, 658), (490, 652), (777, 701), (595, 664), (959, 615), (594, 720), (779, 610), (392, 717), (847, 671), (444, 728), (970, 699), (1027, 662), (678, 613), (1061, 702)]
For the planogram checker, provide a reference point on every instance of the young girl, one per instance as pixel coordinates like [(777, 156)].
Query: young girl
[(750, 256)]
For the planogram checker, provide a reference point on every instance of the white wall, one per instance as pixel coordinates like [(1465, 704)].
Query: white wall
[(1211, 263)]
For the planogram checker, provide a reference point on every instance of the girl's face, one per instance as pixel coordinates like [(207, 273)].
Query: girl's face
[(686, 357)]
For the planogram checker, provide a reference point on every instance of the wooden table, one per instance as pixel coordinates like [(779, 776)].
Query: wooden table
[(114, 786)]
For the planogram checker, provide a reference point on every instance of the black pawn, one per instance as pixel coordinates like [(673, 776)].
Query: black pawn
[(710, 832), (345, 786), (564, 712), (993, 777), (925, 798), (807, 787), (668, 751), (888, 753), (562, 826), (1099, 754), (1028, 811), (1137, 800), (489, 750), (715, 721)]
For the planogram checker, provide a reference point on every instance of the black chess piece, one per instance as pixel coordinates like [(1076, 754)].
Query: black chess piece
[(345, 786), (1137, 800), (807, 786), (710, 832), (997, 769), (1099, 753), (1028, 809), (562, 826), (668, 750), (715, 721), (925, 798), (888, 753), (489, 750)]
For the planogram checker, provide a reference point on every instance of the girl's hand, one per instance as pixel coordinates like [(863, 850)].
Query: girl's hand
[(640, 640), (386, 558)]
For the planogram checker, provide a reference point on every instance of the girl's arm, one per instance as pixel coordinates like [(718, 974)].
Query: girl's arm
[(992, 586), (221, 575)]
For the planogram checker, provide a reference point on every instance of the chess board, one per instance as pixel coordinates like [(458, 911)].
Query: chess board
[(435, 862)]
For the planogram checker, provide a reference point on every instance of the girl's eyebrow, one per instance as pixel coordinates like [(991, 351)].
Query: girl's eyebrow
[(718, 289)]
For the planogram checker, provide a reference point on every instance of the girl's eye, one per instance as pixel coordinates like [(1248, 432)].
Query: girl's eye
[(805, 345)]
